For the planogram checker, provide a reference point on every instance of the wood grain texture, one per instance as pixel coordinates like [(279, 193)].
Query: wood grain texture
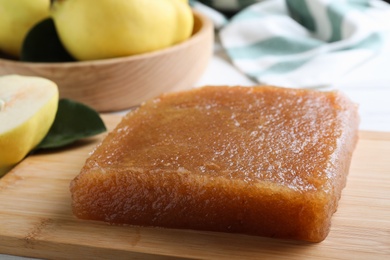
[(120, 83), (36, 218)]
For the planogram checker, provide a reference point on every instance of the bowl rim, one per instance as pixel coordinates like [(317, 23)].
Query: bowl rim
[(206, 25)]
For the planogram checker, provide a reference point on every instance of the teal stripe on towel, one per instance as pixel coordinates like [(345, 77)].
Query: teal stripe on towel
[(372, 42), (275, 46), (300, 12), (336, 14), (245, 3), (360, 4), (280, 68)]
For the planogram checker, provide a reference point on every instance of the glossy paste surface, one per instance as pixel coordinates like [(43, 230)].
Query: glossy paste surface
[(262, 160)]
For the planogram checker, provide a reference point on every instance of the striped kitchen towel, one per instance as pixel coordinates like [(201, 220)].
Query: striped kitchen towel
[(305, 43)]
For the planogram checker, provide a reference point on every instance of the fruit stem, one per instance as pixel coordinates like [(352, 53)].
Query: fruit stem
[(2, 104), (52, 3)]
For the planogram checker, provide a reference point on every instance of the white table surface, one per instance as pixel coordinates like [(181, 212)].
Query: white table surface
[(368, 85)]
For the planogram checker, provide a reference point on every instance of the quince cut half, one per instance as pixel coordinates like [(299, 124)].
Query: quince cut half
[(28, 106)]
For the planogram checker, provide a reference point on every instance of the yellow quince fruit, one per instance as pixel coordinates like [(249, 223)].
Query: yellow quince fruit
[(102, 29), (28, 106), (17, 17)]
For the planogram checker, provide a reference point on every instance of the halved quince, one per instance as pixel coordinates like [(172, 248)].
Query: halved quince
[(28, 106)]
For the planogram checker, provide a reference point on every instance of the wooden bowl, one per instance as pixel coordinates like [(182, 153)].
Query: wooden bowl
[(120, 83)]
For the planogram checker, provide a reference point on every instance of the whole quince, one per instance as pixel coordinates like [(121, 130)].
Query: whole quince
[(16, 19), (102, 29)]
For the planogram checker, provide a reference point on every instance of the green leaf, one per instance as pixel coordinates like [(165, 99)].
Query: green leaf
[(73, 121), (42, 44)]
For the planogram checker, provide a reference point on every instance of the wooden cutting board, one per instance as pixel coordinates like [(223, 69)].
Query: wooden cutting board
[(36, 218)]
